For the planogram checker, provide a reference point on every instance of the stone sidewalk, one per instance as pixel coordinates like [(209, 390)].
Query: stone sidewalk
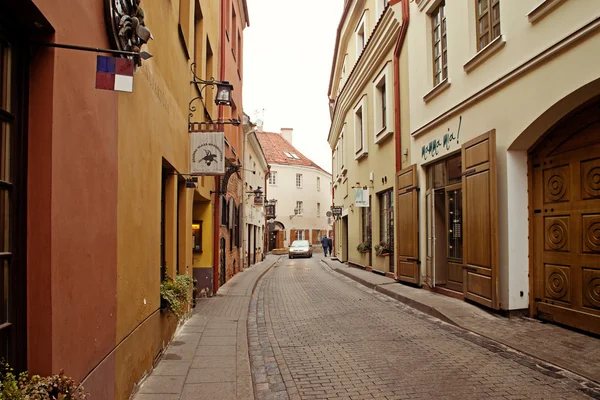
[(209, 358), (573, 351)]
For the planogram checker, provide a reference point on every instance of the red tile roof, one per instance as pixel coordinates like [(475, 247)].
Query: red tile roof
[(274, 145)]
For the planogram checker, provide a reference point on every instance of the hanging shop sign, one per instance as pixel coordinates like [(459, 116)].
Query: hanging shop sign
[(336, 211), (206, 153), (258, 200), (361, 197)]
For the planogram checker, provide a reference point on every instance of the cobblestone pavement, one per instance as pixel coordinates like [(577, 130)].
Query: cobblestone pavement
[(314, 334)]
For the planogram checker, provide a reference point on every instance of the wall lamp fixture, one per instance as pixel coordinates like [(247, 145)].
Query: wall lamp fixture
[(222, 98)]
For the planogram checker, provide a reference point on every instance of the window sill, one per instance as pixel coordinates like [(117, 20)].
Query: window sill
[(382, 134), (437, 90), (362, 154), (485, 53), (344, 171), (543, 9)]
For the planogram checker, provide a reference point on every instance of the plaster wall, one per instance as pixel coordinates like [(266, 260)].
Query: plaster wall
[(72, 203), (286, 193), (520, 109)]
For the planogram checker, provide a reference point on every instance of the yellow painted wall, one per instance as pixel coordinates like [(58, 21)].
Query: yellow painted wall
[(153, 131)]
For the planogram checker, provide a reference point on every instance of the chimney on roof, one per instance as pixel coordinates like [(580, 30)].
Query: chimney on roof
[(287, 134)]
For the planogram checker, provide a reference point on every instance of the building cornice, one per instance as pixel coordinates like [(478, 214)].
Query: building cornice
[(377, 52)]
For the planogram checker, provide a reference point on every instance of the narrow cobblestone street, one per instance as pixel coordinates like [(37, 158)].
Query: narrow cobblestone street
[(315, 334)]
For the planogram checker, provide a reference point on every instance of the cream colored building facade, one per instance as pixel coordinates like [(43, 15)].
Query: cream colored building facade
[(514, 97), (256, 168), (368, 81)]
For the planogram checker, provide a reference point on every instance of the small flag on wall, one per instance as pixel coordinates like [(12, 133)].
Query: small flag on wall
[(114, 74)]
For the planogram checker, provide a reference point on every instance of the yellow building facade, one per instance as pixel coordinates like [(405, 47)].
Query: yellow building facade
[(368, 82)]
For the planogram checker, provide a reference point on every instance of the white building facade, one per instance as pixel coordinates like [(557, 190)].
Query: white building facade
[(301, 189)]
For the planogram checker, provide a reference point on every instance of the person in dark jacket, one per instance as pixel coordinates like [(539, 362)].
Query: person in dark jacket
[(330, 245), (325, 244)]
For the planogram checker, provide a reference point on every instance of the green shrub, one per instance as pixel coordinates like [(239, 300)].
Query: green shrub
[(23, 387), (177, 294), (382, 248), (364, 247)]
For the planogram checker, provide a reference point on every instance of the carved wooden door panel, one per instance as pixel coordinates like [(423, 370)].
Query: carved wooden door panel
[(407, 225), (566, 223), (480, 220)]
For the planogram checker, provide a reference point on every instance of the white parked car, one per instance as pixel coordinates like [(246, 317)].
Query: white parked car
[(300, 248)]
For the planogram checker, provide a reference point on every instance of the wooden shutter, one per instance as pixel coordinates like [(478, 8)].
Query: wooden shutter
[(293, 235), (307, 234), (480, 220), (314, 236), (407, 225)]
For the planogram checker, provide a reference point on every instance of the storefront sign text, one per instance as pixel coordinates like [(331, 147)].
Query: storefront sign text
[(433, 148)]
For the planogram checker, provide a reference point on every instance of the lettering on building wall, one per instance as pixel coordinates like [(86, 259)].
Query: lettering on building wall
[(432, 149)]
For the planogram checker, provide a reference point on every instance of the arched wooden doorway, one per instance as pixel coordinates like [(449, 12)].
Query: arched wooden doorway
[(564, 183), (276, 235)]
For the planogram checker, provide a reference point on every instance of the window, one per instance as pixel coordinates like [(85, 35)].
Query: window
[(383, 125), (224, 211), (341, 155), (288, 155), (299, 208), (360, 37), (233, 29), (438, 36), (197, 236), (273, 178), (318, 210), (386, 218), (318, 184), (298, 180), (488, 22), (360, 146), (366, 223), (294, 156), (382, 94)]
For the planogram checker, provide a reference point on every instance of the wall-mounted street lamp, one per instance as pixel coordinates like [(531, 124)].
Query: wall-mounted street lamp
[(222, 98), (257, 193)]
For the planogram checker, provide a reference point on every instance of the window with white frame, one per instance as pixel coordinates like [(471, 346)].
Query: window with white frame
[(360, 144), (383, 99), (318, 209), (299, 208), (341, 155), (273, 178), (361, 35), (298, 180), (440, 48), (318, 184)]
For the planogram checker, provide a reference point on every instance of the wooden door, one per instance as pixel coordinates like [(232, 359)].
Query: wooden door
[(407, 225), (480, 220), (430, 238), (280, 239), (566, 223)]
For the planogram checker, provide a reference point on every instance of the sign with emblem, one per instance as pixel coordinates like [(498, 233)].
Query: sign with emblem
[(361, 197), (336, 211), (206, 153)]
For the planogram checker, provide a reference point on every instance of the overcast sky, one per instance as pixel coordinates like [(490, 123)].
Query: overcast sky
[(288, 50)]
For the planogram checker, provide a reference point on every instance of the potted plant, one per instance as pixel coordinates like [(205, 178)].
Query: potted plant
[(23, 387), (382, 249), (176, 294), (364, 247)]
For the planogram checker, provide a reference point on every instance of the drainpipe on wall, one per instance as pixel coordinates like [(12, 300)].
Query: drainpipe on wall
[(217, 224), (334, 244), (397, 50)]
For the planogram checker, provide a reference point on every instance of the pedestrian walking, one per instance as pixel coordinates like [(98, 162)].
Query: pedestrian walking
[(325, 243), (330, 245)]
